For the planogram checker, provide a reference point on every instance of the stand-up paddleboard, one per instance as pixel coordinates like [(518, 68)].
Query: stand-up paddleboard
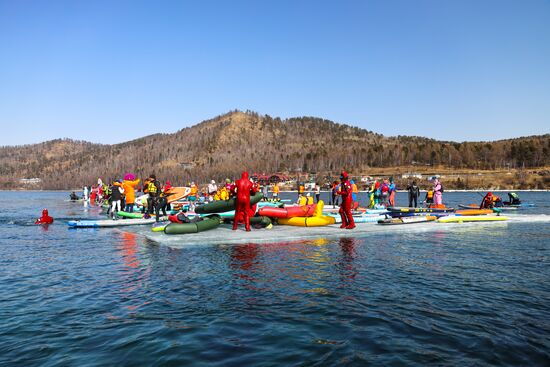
[(472, 218), (419, 210), (407, 220), (103, 223), (177, 193)]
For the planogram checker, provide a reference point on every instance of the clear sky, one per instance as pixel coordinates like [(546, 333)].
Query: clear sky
[(111, 71)]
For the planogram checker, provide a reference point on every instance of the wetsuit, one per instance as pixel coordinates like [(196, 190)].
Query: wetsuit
[(243, 188), (414, 193)]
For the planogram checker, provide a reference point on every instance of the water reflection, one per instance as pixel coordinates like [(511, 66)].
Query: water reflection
[(346, 265)]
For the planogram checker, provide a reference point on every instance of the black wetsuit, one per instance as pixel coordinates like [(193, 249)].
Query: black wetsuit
[(414, 193)]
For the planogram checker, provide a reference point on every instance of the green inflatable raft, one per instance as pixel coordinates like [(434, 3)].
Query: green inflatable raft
[(207, 223), (221, 206)]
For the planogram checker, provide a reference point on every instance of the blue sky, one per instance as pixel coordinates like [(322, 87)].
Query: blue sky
[(111, 71)]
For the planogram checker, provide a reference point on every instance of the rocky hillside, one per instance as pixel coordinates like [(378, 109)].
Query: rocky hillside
[(224, 146)]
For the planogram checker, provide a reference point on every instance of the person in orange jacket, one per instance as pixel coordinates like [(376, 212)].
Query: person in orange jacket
[(129, 187)]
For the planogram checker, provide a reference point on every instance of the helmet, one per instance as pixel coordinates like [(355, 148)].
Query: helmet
[(227, 180), (344, 175), (212, 182)]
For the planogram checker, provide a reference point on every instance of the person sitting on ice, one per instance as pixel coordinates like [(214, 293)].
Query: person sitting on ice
[(74, 196)]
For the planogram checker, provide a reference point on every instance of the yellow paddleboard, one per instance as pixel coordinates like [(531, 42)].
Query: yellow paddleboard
[(471, 218)]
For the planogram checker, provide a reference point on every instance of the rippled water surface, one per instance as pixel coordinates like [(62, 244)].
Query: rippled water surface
[(440, 294)]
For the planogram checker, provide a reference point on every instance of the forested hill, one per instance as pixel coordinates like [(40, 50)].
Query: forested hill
[(224, 146)]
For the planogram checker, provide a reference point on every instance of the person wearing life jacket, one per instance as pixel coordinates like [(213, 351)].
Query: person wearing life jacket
[(243, 188), (345, 192), (429, 199), (276, 190), (309, 199), (153, 190), (45, 218), (392, 189), (414, 193), (487, 202), (438, 193), (73, 196), (513, 199), (93, 194), (193, 196), (301, 188), (129, 187)]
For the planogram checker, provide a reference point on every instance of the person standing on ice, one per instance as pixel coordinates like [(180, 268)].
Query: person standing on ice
[(242, 188), (345, 209)]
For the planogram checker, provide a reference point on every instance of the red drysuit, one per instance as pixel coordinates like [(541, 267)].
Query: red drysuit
[(345, 209)]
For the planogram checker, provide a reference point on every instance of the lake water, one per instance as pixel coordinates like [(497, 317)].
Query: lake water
[(429, 294)]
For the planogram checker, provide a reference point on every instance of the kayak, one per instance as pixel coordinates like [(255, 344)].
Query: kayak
[(207, 223), (221, 206), (109, 223), (288, 211), (407, 220), (471, 218), (420, 210)]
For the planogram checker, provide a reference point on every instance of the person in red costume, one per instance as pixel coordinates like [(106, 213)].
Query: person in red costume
[(243, 187), (345, 209), (45, 218)]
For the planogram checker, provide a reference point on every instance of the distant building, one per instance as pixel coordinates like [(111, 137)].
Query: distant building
[(30, 181), (411, 175), (187, 165)]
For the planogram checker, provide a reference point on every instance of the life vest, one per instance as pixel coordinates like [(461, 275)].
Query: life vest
[(385, 188), (513, 195), (275, 189), (301, 189), (354, 188), (151, 188), (302, 200), (194, 191), (430, 194), (309, 200)]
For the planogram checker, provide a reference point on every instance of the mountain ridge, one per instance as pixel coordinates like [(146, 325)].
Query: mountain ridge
[(226, 144)]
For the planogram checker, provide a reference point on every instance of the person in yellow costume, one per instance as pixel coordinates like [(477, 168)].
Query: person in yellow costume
[(302, 200), (309, 199), (129, 187)]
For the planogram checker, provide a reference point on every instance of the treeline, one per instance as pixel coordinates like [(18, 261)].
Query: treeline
[(224, 146)]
